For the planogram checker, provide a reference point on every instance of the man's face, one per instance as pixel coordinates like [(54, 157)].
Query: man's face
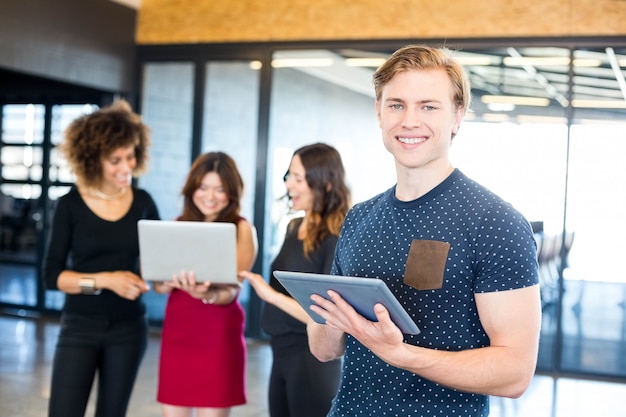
[(417, 116)]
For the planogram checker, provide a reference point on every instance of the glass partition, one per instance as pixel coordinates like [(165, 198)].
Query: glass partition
[(21, 156), (230, 125), (316, 97), (60, 176), (27, 195), (167, 108), (594, 280), (546, 132), (518, 142)]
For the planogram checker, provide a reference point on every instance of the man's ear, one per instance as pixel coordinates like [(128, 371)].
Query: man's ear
[(460, 114)]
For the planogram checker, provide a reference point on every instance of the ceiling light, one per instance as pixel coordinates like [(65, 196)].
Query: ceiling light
[(587, 62), (599, 104), (477, 61), (515, 61), (619, 75), (364, 62), (526, 118), (302, 62), (611, 122), (516, 100), (495, 117), (501, 106)]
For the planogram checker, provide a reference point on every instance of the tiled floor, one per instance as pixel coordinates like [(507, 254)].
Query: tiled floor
[(27, 346)]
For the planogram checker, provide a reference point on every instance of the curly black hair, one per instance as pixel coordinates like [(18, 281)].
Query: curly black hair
[(92, 137)]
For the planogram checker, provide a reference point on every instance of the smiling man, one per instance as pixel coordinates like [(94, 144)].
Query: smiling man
[(460, 259)]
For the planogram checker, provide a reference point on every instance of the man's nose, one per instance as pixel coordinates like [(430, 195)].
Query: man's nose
[(411, 119)]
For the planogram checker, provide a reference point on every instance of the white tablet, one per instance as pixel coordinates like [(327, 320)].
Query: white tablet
[(207, 248), (360, 293)]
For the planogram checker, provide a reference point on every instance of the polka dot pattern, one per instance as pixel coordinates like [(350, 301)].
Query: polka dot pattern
[(492, 249)]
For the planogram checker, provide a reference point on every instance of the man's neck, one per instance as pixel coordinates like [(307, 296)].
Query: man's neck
[(414, 183)]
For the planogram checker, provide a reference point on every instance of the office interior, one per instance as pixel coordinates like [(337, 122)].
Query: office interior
[(545, 131)]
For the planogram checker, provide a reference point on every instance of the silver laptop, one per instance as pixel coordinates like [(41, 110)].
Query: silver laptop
[(208, 249)]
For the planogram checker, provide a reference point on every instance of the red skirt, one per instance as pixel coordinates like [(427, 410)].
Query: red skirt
[(203, 354)]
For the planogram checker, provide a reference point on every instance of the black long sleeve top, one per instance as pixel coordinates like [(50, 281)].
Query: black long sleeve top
[(83, 242), (291, 258)]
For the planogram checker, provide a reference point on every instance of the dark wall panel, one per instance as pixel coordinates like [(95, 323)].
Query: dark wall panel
[(82, 42)]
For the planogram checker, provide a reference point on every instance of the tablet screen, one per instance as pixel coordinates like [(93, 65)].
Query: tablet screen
[(361, 293)]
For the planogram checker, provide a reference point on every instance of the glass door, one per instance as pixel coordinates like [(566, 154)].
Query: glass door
[(22, 154), (33, 176), (193, 108)]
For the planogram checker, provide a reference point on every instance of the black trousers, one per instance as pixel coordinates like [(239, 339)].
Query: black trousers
[(86, 346), (300, 385)]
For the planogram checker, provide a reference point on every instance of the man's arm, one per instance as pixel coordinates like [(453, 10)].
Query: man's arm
[(511, 319), (325, 342)]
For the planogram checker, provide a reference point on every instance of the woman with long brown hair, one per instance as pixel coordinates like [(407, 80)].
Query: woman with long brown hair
[(203, 351), (300, 385)]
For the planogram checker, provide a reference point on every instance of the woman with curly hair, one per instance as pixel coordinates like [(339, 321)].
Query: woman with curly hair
[(92, 257), (300, 385)]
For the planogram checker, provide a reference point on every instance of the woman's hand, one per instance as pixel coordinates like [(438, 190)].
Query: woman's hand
[(260, 286), (186, 281), (123, 283), (209, 293), (271, 296)]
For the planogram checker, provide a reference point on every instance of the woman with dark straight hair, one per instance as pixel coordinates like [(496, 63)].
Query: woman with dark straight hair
[(300, 385), (203, 351)]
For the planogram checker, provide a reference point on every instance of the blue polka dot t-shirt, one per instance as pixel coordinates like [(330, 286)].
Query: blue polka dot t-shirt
[(491, 249)]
